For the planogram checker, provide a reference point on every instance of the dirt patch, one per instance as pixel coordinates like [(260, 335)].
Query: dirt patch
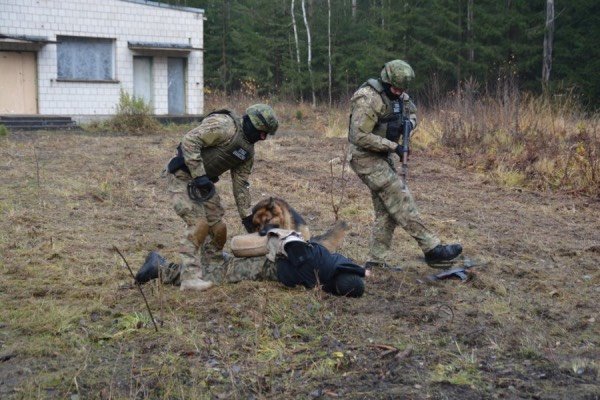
[(72, 324)]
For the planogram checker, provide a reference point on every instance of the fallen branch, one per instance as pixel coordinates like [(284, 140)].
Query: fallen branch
[(139, 287)]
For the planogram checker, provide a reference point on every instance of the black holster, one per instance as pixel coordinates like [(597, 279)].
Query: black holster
[(178, 162)]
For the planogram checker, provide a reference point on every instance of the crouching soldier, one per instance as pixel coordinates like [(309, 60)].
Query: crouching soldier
[(222, 142), (281, 255)]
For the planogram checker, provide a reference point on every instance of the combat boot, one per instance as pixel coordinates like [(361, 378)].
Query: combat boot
[(149, 269), (191, 279), (444, 252)]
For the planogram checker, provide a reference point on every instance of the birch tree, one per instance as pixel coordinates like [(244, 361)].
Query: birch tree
[(329, 48), (292, 11), (470, 30), (548, 42), (309, 56), (224, 63)]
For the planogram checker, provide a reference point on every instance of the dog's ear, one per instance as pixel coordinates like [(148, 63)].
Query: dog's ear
[(271, 204)]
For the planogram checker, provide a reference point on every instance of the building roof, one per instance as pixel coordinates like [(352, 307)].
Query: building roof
[(155, 48), (23, 42), (165, 5)]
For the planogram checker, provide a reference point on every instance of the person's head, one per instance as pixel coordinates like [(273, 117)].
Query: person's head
[(346, 284), (396, 75), (259, 121)]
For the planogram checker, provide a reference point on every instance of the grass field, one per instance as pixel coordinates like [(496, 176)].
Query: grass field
[(73, 326)]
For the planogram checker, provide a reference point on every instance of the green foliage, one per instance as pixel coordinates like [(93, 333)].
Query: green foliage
[(3, 130), (133, 116), (445, 41)]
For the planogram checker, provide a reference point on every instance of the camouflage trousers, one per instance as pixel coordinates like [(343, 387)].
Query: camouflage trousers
[(202, 221), (231, 270), (393, 205)]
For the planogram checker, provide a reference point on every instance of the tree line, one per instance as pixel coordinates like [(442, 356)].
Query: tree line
[(321, 50)]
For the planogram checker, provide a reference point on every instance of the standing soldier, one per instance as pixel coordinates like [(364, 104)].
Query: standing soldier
[(377, 108), (222, 142)]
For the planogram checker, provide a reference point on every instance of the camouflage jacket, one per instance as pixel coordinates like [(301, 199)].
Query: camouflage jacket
[(218, 130), (368, 107)]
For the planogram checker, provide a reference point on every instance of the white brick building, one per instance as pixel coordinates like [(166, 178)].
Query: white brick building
[(73, 57)]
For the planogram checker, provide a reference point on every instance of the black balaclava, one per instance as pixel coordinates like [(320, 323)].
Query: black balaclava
[(250, 132), (388, 91)]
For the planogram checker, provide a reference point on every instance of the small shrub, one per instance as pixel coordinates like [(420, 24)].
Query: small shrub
[(134, 116), (3, 130)]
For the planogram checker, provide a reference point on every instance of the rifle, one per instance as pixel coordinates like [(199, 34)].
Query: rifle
[(406, 128), (400, 124)]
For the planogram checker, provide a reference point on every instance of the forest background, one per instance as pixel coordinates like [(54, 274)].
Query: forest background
[(507, 88), (321, 50)]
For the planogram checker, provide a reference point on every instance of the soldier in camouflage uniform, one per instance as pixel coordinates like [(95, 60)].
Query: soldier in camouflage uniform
[(222, 142), (291, 260), (227, 270), (377, 108)]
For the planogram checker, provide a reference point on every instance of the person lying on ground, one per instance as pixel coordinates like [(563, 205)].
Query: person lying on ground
[(280, 255)]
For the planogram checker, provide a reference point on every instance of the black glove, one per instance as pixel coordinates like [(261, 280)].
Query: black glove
[(248, 223), (399, 150), (201, 189)]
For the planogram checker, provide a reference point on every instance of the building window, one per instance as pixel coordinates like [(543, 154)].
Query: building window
[(87, 59)]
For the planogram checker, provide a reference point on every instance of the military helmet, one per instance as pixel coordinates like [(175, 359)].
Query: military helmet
[(397, 73), (263, 118)]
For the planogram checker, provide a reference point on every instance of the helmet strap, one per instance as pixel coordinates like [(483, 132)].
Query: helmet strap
[(387, 88)]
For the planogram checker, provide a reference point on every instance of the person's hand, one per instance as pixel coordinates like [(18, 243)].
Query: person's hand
[(248, 223), (399, 150)]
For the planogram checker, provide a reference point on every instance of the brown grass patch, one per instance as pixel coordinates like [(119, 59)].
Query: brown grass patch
[(72, 324)]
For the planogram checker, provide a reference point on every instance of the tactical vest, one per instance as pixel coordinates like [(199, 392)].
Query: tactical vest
[(219, 159), (389, 114)]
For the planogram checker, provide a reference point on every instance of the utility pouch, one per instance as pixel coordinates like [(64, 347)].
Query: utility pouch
[(178, 162), (395, 123), (394, 128)]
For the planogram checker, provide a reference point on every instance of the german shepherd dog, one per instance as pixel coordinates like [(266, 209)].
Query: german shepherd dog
[(274, 212)]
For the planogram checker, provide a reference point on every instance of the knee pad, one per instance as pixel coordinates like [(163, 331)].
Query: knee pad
[(199, 233), (218, 233)]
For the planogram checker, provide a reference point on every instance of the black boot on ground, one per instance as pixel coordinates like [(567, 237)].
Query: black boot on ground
[(149, 269), (444, 252)]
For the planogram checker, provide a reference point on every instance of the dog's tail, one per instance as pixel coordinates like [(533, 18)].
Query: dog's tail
[(333, 238)]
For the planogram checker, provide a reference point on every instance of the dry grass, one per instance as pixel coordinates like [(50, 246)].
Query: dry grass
[(515, 139), (292, 116), (71, 324), (520, 140)]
